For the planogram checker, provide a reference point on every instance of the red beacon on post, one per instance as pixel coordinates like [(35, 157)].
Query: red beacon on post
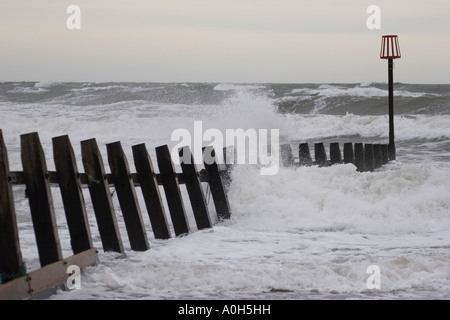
[(390, 48)]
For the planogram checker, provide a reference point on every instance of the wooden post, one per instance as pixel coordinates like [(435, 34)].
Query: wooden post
[(369, 162), (349, 156), (101, 196), (194, 188), (72, 195), (11, 264), (377, 155), (304, 155), (172, 190), (335, 153), (150, 191), (287, 159), (385, 153), (320, 154), (215, 183), (40, 199), (126, 193), (359, 157)]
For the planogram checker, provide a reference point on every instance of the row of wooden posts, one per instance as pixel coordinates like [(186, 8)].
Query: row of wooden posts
[(16, 282), (38, 181), (366, 157)]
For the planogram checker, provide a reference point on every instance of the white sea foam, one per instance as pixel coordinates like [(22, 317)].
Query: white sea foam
[(45, 84), (27, 90), (406, 127), (339, 198), (101, 88), (239, 87), (330, 91)]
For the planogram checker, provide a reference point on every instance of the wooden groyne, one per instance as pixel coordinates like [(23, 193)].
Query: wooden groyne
[(17, 283), (365, 156)]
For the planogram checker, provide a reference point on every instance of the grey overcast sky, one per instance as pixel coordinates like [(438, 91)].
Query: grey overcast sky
[(286, 41)]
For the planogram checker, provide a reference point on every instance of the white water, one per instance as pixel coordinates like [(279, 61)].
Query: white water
[(359, 91), (305, 233)]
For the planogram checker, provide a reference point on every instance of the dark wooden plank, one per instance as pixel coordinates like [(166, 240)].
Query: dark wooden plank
[(335, 153), (349, 156), (359, 157), (126, 194), (392, 153), (100, 196), (378, 156), (172, 190), (40, 199), (287, 158), (194, 188), (47, 277), (72, 195), (304, 154), (16, 177), (320, 154), (385, 153), (11, 263), (216, 185), (369, 162), (150, 190)]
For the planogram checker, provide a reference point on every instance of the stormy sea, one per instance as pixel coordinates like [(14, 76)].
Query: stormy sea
[(306, 232)]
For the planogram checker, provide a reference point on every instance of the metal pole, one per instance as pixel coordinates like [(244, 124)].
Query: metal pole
[(392, 152)]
